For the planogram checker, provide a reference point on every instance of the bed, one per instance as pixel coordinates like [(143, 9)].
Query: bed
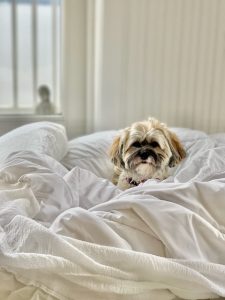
[(68, 233)]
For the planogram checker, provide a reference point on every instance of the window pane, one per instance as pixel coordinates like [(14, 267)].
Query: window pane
[(24, 55), (58, 53), (29, 52), (44, 42), (6, 83)]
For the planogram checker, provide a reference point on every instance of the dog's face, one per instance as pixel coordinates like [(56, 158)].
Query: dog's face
[(146, 148)]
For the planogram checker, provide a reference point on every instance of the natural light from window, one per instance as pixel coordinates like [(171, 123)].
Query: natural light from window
[(29, 54)]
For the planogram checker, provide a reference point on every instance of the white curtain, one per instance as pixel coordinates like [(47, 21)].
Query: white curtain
[(125, 60)]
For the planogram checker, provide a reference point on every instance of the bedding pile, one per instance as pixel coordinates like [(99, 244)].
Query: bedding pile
[(71, 234)]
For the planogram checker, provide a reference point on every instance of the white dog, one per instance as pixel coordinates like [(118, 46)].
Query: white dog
[(144, 150)]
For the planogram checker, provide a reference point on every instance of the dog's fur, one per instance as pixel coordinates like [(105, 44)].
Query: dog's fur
[(144, 150)]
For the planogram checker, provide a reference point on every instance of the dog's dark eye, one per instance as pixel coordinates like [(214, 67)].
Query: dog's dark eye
[(137, 145), (154, 144)]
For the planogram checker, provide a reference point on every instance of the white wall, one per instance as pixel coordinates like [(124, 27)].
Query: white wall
[(74, 65), (164, 58)]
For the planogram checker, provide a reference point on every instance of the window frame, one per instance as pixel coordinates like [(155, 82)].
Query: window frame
[(56, 58)]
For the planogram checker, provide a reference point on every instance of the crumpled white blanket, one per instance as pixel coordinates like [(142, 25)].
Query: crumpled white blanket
[(72, 235)]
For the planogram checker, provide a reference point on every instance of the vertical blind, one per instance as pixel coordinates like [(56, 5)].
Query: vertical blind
[(158, 58), (29, 52)]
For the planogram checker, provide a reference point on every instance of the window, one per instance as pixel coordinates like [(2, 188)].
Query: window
[(29, 54)]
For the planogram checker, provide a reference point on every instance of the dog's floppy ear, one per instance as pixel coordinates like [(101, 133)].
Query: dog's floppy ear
[(177, 149), (115, 151)]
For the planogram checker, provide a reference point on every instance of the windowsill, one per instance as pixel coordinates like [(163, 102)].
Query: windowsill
[(28, 115)]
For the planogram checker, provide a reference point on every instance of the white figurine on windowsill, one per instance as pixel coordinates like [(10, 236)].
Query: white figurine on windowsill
[(45, 107)]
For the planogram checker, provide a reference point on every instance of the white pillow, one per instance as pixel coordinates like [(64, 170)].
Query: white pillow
[(90, 152), (188, 135), (41, 137)]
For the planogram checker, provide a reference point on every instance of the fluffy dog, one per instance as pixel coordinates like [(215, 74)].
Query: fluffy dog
[(142, 151)]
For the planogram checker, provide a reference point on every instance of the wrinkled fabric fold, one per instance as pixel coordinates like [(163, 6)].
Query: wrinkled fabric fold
[(67, 235)]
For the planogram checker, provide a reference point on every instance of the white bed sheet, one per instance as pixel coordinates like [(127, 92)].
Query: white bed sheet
[(74, 235)]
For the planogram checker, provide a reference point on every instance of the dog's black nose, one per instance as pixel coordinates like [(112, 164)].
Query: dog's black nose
[(144, 154)]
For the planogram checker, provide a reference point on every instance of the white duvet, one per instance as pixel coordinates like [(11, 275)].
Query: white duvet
[(72, 235)]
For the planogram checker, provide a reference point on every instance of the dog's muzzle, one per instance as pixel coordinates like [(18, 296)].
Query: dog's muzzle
[(144, 154)]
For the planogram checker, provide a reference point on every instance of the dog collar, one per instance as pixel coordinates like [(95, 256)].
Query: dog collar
[(133, 182), (136, 183)]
